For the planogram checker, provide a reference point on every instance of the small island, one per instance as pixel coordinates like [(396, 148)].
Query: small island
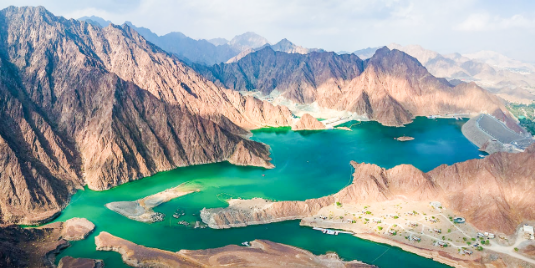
[(404, 138)]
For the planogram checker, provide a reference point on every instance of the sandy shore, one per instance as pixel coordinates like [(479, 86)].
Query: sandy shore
[(141, 209)]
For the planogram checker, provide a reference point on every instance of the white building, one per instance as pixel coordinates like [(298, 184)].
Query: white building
[(435, 204)]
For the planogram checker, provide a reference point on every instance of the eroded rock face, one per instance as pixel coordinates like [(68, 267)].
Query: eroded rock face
[(77, 229), (260, 253), (492, 194), (308, 122), (391, 87), (82, 105)]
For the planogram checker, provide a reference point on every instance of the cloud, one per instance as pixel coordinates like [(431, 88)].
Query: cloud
[(445, 26), (486, 22)]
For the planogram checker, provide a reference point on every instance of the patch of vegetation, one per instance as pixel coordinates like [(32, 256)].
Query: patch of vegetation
[(473, 239), (338, 204), (525, 114), (449, 230), (380, 228), (516, 249), (396, 217)]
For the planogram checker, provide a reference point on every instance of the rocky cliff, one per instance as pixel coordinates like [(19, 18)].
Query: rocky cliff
[(492, 194), (391, 87), (307, 122), (260, 253), (85, 105)]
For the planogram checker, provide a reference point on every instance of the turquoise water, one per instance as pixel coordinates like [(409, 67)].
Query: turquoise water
[(309, 164)]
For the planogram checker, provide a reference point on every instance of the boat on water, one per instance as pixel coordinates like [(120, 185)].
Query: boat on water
[(326, 231)]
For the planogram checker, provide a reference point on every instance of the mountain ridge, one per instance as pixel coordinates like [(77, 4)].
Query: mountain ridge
[(86, 105)]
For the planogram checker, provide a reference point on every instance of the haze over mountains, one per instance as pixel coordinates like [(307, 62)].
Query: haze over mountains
[(211, 51), (510, 79)]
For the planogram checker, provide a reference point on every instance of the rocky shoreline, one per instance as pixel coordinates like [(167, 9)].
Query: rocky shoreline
[(257, 253)]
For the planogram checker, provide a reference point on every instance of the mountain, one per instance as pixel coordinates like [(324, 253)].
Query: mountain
[(218, 41), (299, 77), (96, 21), (248, 40), (391, 87), (500, 61), (86, 105), (189, 49), (509, 83), (366, 53), (283, 46)]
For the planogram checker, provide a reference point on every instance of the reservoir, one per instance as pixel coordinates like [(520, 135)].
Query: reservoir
[(308, 164)]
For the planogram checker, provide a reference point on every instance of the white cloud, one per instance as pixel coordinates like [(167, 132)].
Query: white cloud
[(446, 26), (486, 22)]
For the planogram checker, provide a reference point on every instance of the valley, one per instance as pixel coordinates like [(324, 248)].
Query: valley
[(122, 147)]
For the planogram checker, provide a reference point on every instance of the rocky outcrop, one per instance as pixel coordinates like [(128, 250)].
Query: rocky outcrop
[(492, 194), (307, 122), (391, 87), (86, 105), (241, 213), (38, 247), (70, 262), (260, 253), (76, 229)]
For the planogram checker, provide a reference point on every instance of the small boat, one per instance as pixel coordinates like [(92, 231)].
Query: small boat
[(246, 243), (482, 156)]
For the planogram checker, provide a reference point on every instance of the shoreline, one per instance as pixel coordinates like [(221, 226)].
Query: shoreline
[(142, 209)]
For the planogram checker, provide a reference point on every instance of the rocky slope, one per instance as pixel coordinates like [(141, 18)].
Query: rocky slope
[(395, 87), (307, 122), (82, 105), (503, 203), (391, 87), (38, 247), (260, 253), (302, 78)]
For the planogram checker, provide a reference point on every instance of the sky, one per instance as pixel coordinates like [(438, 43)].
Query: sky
[(446, 26)]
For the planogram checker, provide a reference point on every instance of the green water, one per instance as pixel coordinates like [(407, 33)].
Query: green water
[(309, 164)]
